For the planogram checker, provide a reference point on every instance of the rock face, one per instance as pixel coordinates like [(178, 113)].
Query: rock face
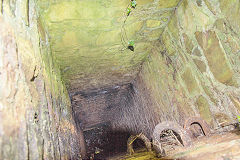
[(89, 39), (186, 62), (35, 110), (192, 68)]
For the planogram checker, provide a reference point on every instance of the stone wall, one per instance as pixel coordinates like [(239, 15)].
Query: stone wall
[(193, 68), (192, 64), (89, 39), (35, 114), (187, 52)]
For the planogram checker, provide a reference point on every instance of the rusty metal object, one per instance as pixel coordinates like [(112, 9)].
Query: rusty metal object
[(141, 136), (197, 120), (169, 125)]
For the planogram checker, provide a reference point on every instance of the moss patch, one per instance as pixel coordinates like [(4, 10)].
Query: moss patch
[(153, 23), (204, 109), (188, 43), (190, 81), (200, 64), (214, 54), (167, 3)]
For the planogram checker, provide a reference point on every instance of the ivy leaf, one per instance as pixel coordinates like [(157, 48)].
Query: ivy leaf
[(131, 43), (238, 118), (128, 11), (133, 3)]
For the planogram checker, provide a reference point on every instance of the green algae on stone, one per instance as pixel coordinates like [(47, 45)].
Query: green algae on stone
[(192, 18), (144, 2), (204, 109), (209, 94), (153, 23), (235, 101), (188, 43), (210, 7), (190, 81), (185, 5), (197, 52), (168, 43), (139, 155), (89, 39), (133, 28), (173, 27), (155, 34), (167, 3), (231, 11), (200, 64), (214, 54), (108, 37), (1, 7), (220, 25)]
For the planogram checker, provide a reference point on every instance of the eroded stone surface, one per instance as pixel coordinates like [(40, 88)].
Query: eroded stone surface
[(190, 81), (214, 54), (85, 39), (204, 109), (200, 64), (89, 39), (188, 43), (35, 114)]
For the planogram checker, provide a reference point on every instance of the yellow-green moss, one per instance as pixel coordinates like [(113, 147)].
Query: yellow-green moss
[(167, 3), (190, 81), (214, 54), (188, 43), (204, 110), (200, 64), (153, 23)]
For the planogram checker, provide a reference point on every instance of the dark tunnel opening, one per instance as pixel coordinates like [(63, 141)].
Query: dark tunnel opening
[(95, 113), (103, 142), (118, 111)]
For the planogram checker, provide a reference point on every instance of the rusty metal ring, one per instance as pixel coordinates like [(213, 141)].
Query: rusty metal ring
[(197, 120), (141, 136), (169, 125)]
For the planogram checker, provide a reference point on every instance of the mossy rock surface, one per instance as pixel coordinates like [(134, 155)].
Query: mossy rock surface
[(89, 39)]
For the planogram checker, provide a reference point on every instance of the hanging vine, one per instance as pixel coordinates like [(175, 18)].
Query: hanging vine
[(128, 44)]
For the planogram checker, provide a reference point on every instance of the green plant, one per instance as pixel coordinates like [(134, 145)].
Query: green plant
[(128, 11), (131, 45), (124, 37), (133, 3), (238, 117)]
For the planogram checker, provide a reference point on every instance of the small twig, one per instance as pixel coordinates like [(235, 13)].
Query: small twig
[(135, 138), (171, 132)]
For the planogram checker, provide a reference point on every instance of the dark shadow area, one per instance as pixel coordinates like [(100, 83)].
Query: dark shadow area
[(102, 142), (108, 116), (94, 112)]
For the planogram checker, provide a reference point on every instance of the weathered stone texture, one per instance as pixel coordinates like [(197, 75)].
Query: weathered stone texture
[(35, 115), (204, 110), (194, 67), (89, 39), (214, 54), (185, 63)]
